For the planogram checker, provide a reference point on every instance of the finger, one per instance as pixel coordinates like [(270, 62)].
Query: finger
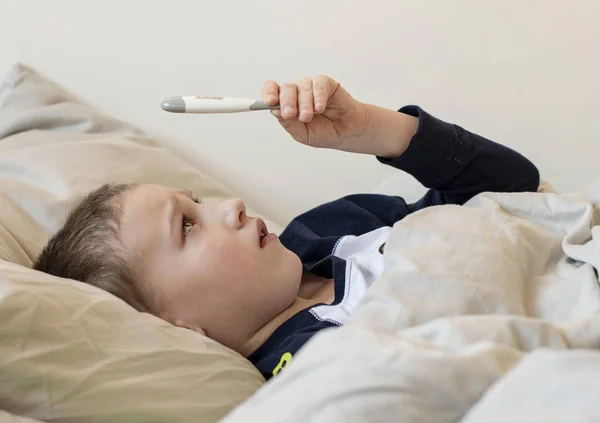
[(323, 89), (288, 99), (305, 100), (270, 93)]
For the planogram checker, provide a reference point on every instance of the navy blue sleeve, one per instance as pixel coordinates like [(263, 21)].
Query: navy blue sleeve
[(453, 163), (457, 164)]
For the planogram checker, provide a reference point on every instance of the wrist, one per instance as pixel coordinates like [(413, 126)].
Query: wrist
[(388, 132)]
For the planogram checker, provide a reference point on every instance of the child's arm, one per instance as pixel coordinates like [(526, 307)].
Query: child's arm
[(458, 164)]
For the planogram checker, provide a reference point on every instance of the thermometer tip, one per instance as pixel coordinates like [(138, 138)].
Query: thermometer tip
[(173, 105)]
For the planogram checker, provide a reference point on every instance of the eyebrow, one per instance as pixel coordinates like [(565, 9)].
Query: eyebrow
[(186, 192), (171, 207)]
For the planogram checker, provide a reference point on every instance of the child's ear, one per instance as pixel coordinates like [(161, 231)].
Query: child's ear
[(182, 324), (199, 330)]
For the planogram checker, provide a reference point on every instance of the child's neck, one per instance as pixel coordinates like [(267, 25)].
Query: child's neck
[(313, 290)]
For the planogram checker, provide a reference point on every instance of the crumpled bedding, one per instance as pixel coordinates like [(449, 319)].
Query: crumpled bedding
[(485, 313), (70, 352)]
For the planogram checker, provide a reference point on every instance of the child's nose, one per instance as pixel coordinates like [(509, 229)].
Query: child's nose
[(235, 213)]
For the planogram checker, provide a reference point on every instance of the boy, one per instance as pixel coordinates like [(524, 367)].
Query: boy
[(213, 269)]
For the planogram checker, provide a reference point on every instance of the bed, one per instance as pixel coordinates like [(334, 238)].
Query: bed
[(505, 327)]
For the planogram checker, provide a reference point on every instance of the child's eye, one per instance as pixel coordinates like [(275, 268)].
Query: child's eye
[(197, 200), (186, 226)]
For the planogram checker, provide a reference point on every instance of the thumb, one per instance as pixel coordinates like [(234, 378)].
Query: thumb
[(293, 126)]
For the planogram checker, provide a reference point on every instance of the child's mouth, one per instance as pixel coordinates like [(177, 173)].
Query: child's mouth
[(264, 241), (264, 235)]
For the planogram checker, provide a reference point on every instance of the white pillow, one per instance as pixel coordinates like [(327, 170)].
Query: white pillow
[(69, 351), (11, 418)]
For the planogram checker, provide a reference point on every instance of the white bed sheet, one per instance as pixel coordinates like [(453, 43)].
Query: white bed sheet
[(488, 312)]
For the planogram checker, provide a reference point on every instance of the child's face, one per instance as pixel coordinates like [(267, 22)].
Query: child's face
[(205, 263)]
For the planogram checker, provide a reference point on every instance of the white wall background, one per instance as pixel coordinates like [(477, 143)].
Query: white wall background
[(525, 73)]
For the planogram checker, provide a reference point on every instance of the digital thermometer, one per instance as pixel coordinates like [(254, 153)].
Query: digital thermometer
[(205, 104)]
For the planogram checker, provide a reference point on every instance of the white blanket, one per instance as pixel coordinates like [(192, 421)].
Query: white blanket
[(485, 313)]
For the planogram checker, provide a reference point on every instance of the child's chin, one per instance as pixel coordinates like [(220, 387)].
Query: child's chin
[(290, 264)]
